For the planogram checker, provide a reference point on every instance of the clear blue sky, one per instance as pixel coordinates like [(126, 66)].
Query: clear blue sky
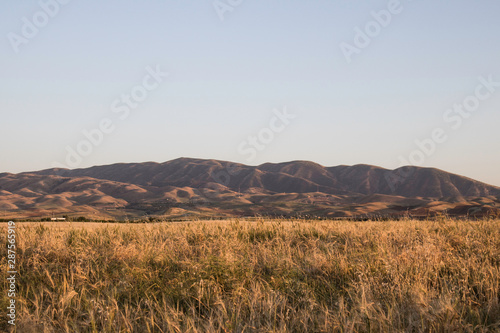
[(227, 76)]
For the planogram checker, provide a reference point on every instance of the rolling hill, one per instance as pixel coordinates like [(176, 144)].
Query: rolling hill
[(187, 187)]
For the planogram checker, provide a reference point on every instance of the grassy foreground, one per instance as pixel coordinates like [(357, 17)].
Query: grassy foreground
[(268, 276)]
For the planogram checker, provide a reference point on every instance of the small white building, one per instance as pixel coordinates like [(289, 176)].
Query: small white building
[(58, 219)]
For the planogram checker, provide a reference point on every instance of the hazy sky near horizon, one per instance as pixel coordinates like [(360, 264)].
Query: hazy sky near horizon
[(427, 73)]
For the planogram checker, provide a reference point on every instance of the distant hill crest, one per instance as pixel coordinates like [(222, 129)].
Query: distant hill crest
[(234, 188)]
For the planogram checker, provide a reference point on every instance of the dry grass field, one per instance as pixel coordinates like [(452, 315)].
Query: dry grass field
[(264, 276)]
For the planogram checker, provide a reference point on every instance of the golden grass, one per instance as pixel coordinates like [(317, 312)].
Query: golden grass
[(267, 276)]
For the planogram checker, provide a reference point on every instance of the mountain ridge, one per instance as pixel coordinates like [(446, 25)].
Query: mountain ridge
[(358, 178), (214, 186)]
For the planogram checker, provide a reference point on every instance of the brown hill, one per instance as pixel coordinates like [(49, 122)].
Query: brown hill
[(196, 186), (289, 177)]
